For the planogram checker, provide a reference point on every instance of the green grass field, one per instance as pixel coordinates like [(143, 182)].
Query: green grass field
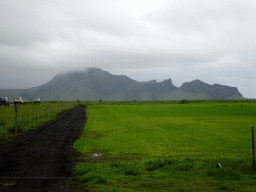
[(167, 147)]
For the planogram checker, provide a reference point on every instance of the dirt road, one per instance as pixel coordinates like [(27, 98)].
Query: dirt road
[(41, 160)]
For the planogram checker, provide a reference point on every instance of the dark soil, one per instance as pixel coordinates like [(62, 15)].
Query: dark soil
[(42, 160)]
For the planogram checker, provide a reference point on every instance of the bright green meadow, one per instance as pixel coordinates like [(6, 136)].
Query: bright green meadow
[(167, 147)]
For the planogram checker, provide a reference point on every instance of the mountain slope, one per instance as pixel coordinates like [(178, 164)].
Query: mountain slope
[(95, 84), (215, 91)]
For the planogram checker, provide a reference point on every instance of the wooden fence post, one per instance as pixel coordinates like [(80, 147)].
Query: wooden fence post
[(34, 120), (253, 150), (48, 113), (16, 125), (38, 118), (22, 122), (5, 129), (42, 114), (28, 121), (16, 119)]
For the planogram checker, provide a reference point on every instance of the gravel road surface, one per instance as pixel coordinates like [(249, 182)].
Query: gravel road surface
[(41, 160)]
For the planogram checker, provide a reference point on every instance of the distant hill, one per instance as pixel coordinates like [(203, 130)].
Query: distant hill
[(95, 84)]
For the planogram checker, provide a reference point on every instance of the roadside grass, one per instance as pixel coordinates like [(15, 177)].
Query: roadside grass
[(165, 146), (175, 174), (6, 184), (37, 111)]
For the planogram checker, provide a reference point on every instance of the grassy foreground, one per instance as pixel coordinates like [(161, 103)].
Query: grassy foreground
[(167, 147)]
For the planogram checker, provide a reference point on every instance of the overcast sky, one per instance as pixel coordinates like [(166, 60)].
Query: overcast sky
[(210, 40)]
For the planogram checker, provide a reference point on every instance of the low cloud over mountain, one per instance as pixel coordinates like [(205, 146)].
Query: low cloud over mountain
[(95, 84)]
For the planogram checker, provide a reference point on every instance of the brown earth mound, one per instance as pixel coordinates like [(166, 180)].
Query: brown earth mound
[(41, 160)]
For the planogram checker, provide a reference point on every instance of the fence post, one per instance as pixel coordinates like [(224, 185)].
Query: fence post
[(42, 114), (34, 120), (253, 150), (5, 129), (38, 117), (16, 125), (22, 122), (16, 119), (28, 121), (48, 113)]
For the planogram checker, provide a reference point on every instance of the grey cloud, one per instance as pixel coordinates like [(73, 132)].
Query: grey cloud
[(23, 79), (86, 15), (19, 27), (201, 15), (127, 59), (223, 25), (207, 40)]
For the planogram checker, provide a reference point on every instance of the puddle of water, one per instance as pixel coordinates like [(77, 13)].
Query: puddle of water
[(96, 154)]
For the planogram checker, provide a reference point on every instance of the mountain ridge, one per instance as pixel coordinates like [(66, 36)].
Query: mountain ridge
[(94, 84)]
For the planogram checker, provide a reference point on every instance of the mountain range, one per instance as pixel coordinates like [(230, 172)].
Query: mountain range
[(95, 84)]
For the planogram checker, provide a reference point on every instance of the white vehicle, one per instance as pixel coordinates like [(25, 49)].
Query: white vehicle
[(38, 100), (18, 100)]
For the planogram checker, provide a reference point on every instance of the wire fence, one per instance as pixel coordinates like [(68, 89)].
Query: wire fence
[(28, 120)]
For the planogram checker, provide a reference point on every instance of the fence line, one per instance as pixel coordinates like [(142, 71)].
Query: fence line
[(25, 125)]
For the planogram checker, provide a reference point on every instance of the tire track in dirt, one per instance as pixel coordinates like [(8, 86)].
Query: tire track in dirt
[(41, 160)]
